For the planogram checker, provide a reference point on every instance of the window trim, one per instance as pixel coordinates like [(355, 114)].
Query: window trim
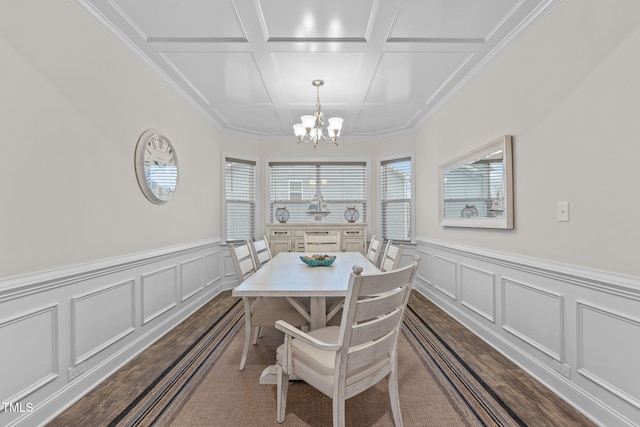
[(388, 159), (257, 195)]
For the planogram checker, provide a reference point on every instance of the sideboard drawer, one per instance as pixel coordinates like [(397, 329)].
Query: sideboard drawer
[(355, 232), (280, 232)]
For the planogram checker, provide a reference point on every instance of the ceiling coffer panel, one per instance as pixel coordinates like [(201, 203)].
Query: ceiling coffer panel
[(450, 20), (221, 77), (160, 20), (298, 70), (293, 20), (403, 77), (387, 65)]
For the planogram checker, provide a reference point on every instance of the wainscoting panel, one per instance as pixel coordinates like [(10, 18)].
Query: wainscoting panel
[(159, 292), (608, 351), (100, 318), (576, 330), (212, 268), (191, 273), (29, 352), (64, 331), (535, 316), (229, 277), (425, 268), (478, 291), (445, 277)]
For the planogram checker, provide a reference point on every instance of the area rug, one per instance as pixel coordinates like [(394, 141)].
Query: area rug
[(204, 387)]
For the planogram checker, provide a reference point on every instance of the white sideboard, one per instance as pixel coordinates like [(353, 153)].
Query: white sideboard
[(290, 237)]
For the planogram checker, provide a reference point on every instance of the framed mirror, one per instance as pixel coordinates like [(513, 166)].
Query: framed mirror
[(476, 189)]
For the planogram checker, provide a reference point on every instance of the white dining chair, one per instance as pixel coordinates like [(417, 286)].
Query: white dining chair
[(320, 242), (373, 253), (262, 311), (391, 257), (261, 252), (343, 361)]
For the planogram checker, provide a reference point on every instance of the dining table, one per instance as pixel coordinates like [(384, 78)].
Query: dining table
[(287, 276)]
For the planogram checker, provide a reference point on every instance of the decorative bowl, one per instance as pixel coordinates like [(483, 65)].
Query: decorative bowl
[(317, 261)]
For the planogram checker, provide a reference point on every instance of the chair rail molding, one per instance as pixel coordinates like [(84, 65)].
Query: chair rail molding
[(72, 327), (555, 321)]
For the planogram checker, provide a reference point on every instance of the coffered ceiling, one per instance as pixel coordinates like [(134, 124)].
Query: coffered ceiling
[(248, 64)]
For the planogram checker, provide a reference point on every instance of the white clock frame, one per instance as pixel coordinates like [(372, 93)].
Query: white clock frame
[(158, 194)]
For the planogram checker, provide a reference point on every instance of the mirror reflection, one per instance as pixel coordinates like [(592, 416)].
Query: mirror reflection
[(476, 188)]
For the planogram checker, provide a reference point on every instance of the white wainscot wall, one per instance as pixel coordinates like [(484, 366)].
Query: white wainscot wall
[(575, 330), (62, 332)]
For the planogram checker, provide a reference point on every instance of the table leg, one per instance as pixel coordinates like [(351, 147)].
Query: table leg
[(318, 312)]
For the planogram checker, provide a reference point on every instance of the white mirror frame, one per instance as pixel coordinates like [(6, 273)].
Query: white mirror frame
[(506, 220)]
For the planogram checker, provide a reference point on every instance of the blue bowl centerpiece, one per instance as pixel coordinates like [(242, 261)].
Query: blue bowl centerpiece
[(317, 260)]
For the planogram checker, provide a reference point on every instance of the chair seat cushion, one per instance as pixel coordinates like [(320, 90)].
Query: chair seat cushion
[(316, 366), (266, 310)]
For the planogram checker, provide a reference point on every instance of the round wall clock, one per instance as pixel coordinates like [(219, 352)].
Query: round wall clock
[(156, 166)]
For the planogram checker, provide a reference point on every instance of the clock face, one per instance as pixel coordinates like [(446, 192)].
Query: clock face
[(156, 166), (282, 215), (351, 214)]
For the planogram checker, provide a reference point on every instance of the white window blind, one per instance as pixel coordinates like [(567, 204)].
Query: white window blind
[(240, 199), (294, 184), (396, 199), (475, 190)]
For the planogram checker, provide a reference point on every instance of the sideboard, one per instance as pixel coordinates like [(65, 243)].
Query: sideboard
[(290, 237)]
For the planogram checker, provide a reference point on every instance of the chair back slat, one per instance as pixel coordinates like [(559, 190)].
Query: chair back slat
[(375, 328), (383, 282), (372, 307), (366, 355)]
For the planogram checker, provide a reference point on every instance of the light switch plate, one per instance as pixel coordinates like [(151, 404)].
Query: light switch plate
[(563, 211)]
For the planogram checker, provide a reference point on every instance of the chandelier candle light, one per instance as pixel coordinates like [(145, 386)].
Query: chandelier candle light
[(310, 130)]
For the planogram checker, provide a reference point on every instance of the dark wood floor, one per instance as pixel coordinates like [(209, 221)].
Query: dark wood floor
[(531, 401)]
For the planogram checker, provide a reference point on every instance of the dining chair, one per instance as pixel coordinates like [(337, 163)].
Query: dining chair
[(318, 242), (261, 252), (261, 311), (334, 305), (391, 257), (373, 253), (343, 361)]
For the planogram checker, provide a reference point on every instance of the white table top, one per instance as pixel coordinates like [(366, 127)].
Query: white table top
[(287, 275)]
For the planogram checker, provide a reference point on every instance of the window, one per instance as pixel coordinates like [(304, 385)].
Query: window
[(340, 184), (395, 176), (240, 199)]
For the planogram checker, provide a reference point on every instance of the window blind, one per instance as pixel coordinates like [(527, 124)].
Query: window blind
[(240, 199), (294, 184), (396, 204), (475, 189)]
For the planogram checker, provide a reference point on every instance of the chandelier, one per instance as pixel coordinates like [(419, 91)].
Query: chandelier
[(310, 130)]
